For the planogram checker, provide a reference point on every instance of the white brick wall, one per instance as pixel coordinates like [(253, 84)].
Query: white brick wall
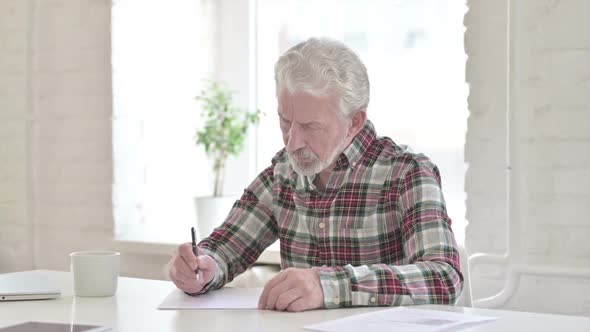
[(71, 143), (552, 119), (15, 241)]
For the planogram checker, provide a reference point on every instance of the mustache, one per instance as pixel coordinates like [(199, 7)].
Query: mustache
[(303, 153)]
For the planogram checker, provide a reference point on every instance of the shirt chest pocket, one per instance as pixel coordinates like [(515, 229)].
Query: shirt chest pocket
[(361, 240), (362, 230), (356, 210), (365, 228)]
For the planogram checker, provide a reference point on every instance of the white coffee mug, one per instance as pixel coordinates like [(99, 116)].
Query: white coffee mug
[(95, 273)]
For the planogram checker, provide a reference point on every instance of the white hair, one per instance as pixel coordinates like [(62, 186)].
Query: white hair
[(321, 66)]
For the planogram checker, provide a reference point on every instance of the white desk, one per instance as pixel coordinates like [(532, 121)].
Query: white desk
[(134, 309)]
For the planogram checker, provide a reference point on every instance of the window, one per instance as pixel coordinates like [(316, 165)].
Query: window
[(414, 53), (161, 52)]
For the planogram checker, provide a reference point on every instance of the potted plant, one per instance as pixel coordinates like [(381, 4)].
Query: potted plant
[(222, 135)]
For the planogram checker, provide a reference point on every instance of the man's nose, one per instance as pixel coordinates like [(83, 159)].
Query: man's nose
[(295, 140)]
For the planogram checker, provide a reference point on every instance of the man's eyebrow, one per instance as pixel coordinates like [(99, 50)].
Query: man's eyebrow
[(310, 123)]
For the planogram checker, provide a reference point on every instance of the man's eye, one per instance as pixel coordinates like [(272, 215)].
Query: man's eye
[(312, 127)]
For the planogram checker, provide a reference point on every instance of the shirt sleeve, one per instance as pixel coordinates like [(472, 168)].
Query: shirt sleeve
[(249, 228), (432, 275)]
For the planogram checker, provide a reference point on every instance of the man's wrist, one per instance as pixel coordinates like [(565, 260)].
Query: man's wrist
[(335, 286), (203, 290)]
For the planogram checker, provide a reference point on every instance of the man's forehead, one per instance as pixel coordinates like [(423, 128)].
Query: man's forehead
[(291, 101)]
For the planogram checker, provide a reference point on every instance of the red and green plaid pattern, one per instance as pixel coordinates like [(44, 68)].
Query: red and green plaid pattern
[(378, 235)]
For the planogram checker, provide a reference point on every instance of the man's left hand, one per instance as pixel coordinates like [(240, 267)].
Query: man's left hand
[(293, 290)]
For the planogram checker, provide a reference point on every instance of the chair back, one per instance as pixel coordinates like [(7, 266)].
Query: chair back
[(465, 299)]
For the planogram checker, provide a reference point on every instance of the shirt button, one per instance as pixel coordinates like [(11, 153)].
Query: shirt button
[(354, 164), (372, 299), (322, 225)]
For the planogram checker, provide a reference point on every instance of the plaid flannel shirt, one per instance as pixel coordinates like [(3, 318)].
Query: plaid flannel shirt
[(378, 234)]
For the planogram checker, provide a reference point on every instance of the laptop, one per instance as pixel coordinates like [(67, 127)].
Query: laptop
[(27, 286)]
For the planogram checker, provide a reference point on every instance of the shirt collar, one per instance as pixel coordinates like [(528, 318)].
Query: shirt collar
[(352, 155)]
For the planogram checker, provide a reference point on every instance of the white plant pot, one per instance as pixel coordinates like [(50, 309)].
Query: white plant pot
[(211, 212)]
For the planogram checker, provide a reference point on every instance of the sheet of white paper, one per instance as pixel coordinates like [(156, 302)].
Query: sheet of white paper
[(400, 319), (224, 298)]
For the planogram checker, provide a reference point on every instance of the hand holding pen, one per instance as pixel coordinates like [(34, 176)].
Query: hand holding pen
[(190, 268)]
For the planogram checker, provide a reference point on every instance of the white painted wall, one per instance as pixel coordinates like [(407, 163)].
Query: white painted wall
[(551, 147), (56, 154)]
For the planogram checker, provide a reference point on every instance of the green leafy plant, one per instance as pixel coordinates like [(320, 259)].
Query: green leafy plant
[(225, 127)]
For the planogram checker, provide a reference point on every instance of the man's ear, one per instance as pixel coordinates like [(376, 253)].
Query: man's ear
[(357, 122)]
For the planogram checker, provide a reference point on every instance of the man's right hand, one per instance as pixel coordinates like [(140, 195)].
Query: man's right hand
[(183, 267)]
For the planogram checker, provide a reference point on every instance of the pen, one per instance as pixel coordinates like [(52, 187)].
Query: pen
[(194, 244)]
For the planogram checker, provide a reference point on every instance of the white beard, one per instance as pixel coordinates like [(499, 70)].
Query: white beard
[(314, 165)]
